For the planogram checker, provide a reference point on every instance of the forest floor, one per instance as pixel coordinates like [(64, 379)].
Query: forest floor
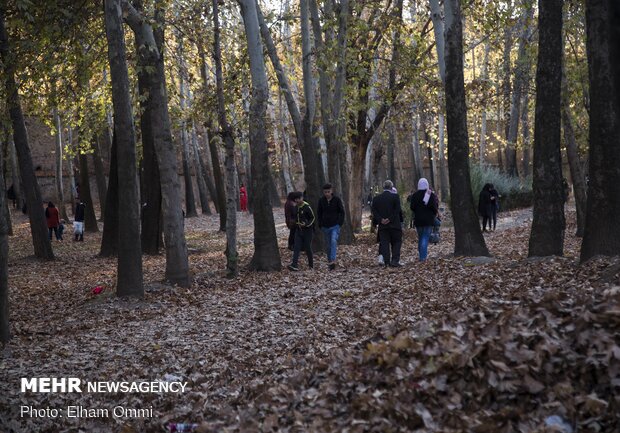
[(456, 344)]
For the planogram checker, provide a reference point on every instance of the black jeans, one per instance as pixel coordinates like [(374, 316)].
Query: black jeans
[(56, 232), (493, 217), (303, 241), (291, 238), (390, 237)]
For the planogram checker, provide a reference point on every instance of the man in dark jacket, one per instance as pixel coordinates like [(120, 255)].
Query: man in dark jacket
[(78, 224), (330, 213), (386, 212), (304, 220)]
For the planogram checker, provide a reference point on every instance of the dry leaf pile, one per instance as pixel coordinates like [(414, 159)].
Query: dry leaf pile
[(454, 345)]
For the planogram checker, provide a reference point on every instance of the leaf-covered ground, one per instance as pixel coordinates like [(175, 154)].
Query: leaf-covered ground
[(451, 345)]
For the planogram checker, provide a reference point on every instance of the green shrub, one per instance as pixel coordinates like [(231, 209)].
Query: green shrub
[(514, 192)]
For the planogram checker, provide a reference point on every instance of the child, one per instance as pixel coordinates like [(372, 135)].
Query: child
[(61, 229)]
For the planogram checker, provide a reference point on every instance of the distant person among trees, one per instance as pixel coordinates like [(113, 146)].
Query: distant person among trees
[(424, 206), (304, 220), (386, 212), (484, 206), (78, 224), (290, 213), (10, 194), (53, 220), (494, 205), (243, 199), (330, 212)]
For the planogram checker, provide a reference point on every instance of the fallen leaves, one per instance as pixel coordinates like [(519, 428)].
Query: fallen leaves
[(454, 345)]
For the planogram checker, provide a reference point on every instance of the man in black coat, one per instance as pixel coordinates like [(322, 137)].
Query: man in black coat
[(386, 212), (330, 218)]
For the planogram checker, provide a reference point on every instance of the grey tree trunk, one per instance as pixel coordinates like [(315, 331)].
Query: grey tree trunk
[(58, 156), (99, 170), (190, 202), (129, 272), (5, 330), (232, 257), (286, 149), (417, 170), (483, 121), (205, 164), (525, 134), (602, 236), (151, 212), (203, 191), (32, 193), (520, 79), (177, 264), (548, 224), (506, 88), (90, 219), (109, 239), (213, 151), (15, 177), (576, 174), (467, 234), (266, 254), (70, 168)]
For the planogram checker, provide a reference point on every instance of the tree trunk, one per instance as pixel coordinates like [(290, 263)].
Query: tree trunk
[(417, 169), (468, 237), (506, 83), (100, 171), (58, 156), (5, 332), (266, 254), (38, 225), (548, 224), (90, 219), (151, 43), (577, 177), (129, 272), (483, 120), (520, 79), (190, 202), (215, 156), (391, 163), (286, 149), (208, 171), (203, 191), (109, 239), (602, 235), (525, 133), (232, 257), (72, 184), (15, 177)]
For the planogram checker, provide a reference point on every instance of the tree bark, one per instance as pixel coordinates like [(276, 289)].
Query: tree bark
[(190, 201), (483, 121), (129, 271), (525, 134), (100, 171), (203, 191), (520, 77), (73, 186), (15, 177), (151, 42), (467, 234), (548, 224), (213, 150), (232, 257), (90, 219), (38, 225), (5, 331), (602, 236), (266, 254), (58, 156), (576, 174), (109, 239)]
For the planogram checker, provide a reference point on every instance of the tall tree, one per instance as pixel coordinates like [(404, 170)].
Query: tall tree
[(129, 270), (5, 334), (150, 42), (548, 224), (232, 257), (602, 236), (58, 156), (98, 168), (90, 219), (468, 240), (32, 193), (266, 254), (109, 238), (201, 181)]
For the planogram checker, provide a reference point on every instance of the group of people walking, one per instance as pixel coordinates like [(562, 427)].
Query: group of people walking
[(300, 220), (56, 225), (387, 217), (488, 205)]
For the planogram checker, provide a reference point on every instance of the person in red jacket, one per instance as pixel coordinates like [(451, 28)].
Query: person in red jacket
[(53, 220), (243, 199)]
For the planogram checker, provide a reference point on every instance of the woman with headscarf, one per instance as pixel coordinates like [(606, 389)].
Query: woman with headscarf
[(484, 206), (424, 207)]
